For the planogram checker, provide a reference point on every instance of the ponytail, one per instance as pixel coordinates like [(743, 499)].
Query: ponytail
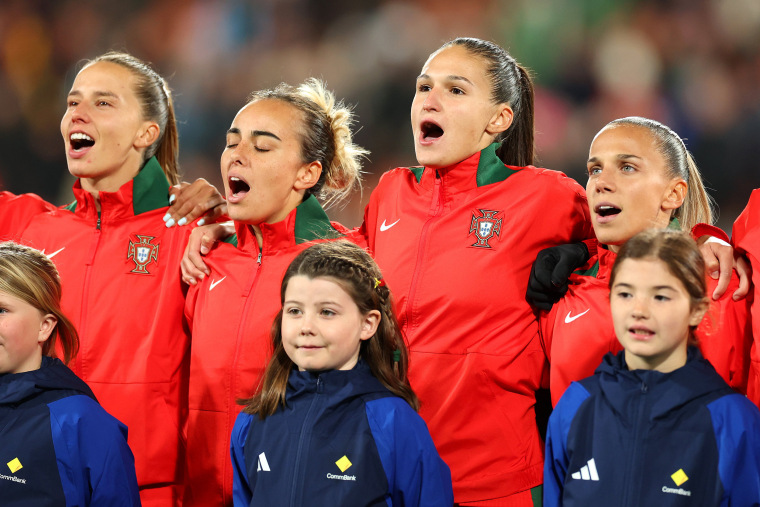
[(167, 151), (157, 105), (517, 147), (697, 207)]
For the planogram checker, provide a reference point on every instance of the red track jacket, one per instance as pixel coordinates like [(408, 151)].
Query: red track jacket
[(746, 238), (123, 292), (578, 330), (456, 246), (16, 211), (230, 314)]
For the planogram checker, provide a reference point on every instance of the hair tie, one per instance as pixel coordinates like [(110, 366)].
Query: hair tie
[(396, 356), (379, 282)]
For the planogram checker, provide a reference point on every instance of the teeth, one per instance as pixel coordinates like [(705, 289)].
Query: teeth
[(80, 136), (234, 178), (606, 207)]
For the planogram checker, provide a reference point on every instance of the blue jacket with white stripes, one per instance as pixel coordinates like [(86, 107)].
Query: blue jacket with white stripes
[(342, 439), (642, 437), (58, 446)]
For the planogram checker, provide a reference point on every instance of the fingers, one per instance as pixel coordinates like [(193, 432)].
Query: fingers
[(193, 267), (744, 272), (719, 261), (189, 201)]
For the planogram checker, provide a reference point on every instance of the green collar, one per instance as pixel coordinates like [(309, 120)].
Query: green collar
[(150, 189), (490, 167), (312, 222)]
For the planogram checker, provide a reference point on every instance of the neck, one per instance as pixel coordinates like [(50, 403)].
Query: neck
[(676, 359)]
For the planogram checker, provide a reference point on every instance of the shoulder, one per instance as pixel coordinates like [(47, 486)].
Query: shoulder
[(551, 181), (572, 399), (734, 413), (391, 415), (240, 429), (80, 409), (399, 176)]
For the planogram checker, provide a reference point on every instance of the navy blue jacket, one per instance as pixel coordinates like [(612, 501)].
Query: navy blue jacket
[(643, 437), (58, 446), (342, 440)]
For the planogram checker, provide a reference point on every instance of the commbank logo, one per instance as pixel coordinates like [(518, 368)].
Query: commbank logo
[(263, 464), (343, 463), (587, 472), (15, 465), (679, 477)]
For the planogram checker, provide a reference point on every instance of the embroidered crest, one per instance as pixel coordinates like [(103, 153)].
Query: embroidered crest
[(142, 253), (485, 227)]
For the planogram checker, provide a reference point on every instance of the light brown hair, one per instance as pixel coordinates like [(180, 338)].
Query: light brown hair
[(679, 252), (27, 274), (698, 205), (157, 105)]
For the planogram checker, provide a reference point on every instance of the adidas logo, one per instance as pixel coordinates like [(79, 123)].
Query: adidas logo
[(263, 464), (587, 473)]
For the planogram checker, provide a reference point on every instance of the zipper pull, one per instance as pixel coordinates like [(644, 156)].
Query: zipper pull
[(644, 388), (259, 259), (320, 384), (97, 226)]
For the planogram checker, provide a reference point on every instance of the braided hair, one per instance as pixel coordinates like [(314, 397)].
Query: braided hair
[(354, 270)]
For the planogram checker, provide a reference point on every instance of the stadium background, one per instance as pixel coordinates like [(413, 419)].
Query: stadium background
[(692, 64)]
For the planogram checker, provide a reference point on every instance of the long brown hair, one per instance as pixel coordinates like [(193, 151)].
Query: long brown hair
[(512, 84), (385, 352), (27, 274), (157, 105)]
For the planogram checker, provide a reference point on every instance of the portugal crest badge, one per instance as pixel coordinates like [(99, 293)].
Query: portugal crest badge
[(142, 253), (485, 227)]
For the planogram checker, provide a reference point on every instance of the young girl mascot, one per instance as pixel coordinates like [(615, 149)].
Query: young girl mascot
[(656, 424), (334, 420), (58, 446)]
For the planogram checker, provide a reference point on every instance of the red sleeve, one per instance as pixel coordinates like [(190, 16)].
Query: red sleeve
[(725, 336), (700, 230), (16, 211)]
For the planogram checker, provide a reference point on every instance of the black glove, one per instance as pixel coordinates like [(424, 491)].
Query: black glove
[(550, 272)]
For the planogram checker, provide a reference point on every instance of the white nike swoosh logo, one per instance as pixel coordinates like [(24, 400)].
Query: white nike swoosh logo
[(51, 255), (569, 319), (214, 284), (384, 227)]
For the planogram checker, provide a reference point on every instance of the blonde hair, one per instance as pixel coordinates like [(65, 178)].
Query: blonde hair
[(698, 205), (27, 274), (157, 105), (326, 137)]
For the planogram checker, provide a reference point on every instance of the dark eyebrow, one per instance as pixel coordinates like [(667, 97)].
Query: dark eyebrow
[(254, 133), (97, 94), (622, 156), (450, 77)]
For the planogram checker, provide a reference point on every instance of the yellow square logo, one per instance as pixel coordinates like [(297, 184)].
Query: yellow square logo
[(679, 477), (343, 463), (15, 465)]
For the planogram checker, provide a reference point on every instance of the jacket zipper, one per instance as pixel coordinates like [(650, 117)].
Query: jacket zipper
[(433, 212), (89, 263), (296, 484), (241, 338), (632, 474)]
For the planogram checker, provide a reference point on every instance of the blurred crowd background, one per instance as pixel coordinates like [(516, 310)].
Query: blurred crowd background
[(692, 64)]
